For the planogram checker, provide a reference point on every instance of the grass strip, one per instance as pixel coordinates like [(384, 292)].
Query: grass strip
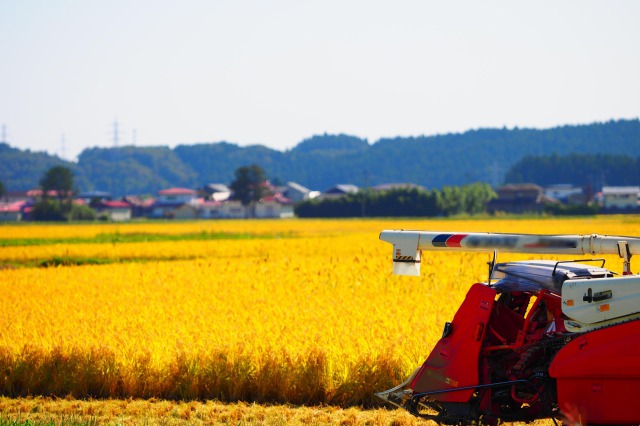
[(118, 238), (57, 261)]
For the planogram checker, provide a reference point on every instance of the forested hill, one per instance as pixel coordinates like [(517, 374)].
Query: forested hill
[(322, 161)]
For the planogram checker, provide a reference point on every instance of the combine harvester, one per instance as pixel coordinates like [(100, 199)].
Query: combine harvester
[(540, 339)]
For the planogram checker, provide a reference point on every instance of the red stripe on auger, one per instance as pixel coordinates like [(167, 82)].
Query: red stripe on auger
[(455, 240)]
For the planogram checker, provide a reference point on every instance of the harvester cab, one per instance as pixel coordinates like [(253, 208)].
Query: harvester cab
[(539, 339)]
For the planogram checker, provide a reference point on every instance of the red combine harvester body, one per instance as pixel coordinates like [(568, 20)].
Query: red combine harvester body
[(540, 339)]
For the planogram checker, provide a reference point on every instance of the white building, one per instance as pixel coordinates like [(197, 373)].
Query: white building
[(170, 200), (620, 197), (117, 211)]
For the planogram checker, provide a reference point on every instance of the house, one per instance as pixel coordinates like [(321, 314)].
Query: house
[(117, 211), (210, 209), (233, 209), (274, 206), (566, 193), (295, 192), (269, 207), (177, 195), (519, 198), (215, 192), (620, 197), (171, 199), (340, 190), (185, 211), (11, 212), (182, 203), (10, 197), (94, 197), (140, 207), (37, 194)]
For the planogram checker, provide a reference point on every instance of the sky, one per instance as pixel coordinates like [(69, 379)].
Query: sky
[(277, 72)]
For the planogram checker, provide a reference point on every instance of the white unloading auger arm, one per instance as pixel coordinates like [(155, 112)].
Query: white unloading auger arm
[(408, 245)]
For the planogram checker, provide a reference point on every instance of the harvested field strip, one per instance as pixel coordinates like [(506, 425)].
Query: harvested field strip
[(70, 412)]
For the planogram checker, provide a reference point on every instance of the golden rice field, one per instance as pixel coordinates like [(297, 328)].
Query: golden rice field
[(304, 313)]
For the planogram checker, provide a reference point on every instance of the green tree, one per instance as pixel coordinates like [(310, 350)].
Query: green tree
[(58, 179), (3, 190), (48, 210), (249, 186), (80, 212), (478, 196), (452, 200)]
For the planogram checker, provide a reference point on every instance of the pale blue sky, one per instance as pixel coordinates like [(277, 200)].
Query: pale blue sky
[(276, 72)]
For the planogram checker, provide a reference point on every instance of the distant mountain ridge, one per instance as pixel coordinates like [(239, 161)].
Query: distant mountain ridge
[(319, 162)]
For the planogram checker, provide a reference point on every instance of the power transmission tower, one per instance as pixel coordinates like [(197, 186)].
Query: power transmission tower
[(115, 153), (116, 133)]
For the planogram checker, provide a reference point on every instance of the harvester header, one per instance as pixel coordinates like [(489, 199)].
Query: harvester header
[(408, 245)]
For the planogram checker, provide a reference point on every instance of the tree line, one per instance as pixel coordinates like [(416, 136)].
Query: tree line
[(579, 169), (401, 202), (250, 186), (324, 160)]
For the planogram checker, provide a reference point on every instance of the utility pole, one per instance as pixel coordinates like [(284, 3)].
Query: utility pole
[(4, 133)]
